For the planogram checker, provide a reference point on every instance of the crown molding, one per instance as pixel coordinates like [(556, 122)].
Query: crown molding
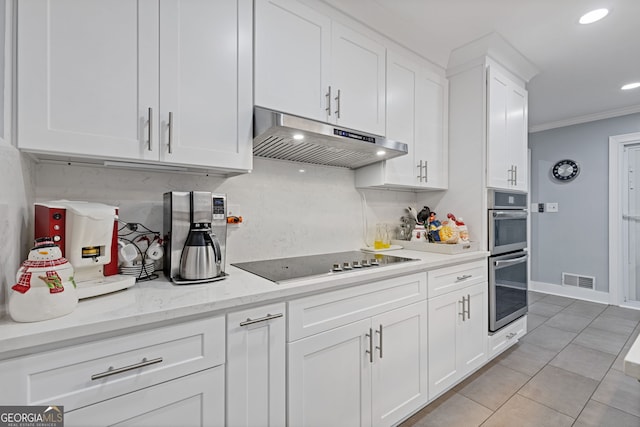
[(585, 119)]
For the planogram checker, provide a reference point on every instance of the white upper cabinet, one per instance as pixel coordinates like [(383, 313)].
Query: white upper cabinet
[(292, 50), (417, 103), (101, 79), (357, 80), (310, 66), (506, 132)]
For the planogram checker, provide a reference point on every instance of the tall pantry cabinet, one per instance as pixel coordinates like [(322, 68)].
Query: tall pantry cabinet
[(137, 81), (488, 129)]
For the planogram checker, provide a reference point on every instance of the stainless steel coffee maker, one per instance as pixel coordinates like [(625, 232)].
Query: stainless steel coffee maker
[(195, 234)]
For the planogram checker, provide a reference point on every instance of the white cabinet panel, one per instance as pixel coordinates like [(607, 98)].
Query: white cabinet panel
[(507, 132), (100, 79), (457, 336), (292, 51), (256, 367), (399, 371), (196, 400), (310, 66), (84, 87), (330, 378), (358, 79)]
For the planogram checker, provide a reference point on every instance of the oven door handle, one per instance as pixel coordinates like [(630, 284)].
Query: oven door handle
[(510, 214), (507, 262)]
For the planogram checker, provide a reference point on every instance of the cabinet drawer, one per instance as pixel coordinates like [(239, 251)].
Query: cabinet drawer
[(318, 313), (83, 374), (448, 279), (507, 336)]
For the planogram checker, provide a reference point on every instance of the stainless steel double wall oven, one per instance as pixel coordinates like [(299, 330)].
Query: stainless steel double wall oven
[(508, 260)]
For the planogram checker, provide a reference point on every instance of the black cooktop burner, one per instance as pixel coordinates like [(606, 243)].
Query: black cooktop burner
[(284, 269)]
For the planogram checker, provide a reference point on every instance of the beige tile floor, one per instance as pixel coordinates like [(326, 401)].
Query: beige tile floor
[(567, 371)]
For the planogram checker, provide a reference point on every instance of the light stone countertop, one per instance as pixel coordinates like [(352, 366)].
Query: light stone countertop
[(631, 364), (161, 302)]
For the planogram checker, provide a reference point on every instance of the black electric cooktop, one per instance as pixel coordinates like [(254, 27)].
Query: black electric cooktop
[(285, 269)]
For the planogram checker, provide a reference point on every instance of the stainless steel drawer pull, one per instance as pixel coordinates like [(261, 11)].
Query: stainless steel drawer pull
[(370, 351), (379, 348), (170, 131), (150, 127), (463, 277), (114, 371), (511, 335), (261, 319)]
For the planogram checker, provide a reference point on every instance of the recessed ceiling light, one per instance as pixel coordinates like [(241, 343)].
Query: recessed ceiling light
[(593, 16), (629, 86), (298, 136), (381, 153)]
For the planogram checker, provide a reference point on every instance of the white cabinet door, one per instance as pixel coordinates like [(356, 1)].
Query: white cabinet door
[(399, 369), (358, 80), (417, 102), (431, 145), (88, 74), (205, 83), (292, 58), (330, 378), (457, 336), (507, 132), (196, 400), (445, 315), (256, 367), (473, 336)]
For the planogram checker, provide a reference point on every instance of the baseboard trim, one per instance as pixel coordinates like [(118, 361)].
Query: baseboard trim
[(570, 291)]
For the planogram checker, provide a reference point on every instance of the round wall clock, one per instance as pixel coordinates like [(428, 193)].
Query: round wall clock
[(565, 170)]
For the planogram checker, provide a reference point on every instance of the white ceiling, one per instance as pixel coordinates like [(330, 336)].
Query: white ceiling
[(582, 67)]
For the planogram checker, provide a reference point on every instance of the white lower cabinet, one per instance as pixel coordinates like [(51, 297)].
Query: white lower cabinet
[(172, 375), (194, 400), (507, 336), (369, 372), (458, 327), (256, 373)]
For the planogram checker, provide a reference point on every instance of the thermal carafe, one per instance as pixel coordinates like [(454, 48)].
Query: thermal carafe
[(195, 231)]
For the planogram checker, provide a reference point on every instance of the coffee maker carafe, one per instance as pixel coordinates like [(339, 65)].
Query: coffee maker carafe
[(195, 236)]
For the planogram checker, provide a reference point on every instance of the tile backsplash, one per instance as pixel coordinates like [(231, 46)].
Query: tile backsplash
[(286, 212)]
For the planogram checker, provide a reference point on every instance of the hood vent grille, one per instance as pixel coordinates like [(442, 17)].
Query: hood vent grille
[(274, 147), (319, 143)]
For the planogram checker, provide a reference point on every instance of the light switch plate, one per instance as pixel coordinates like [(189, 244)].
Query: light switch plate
[(551, 207)]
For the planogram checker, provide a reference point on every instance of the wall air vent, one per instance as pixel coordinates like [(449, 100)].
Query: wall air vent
[(577, 280)]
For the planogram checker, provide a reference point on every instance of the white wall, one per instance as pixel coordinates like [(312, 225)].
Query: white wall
[(286, 212), (574, 240)]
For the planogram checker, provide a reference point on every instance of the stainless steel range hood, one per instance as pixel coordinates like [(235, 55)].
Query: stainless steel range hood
[(286, 137)]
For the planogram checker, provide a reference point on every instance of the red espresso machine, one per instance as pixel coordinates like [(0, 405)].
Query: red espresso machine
[(87, 234)]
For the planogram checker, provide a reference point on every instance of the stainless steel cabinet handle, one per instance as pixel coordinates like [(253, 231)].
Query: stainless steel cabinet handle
[(338, 105), (114, 371), (261, 319), (426, 175), (506, 262), (511, 335), (150, 127), (170, 130), (328, 96), (379, 348), (419, 166), (515, 175), (463, 277), (370, 351), (519, 214), (468, 306), (463, 312)]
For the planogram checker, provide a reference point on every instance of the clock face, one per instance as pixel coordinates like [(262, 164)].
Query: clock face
[(565, 170)]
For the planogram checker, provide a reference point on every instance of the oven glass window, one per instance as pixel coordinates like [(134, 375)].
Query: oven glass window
[(510, 289), (509, 231)]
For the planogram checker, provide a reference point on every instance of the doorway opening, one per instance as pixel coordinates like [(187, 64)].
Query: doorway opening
[(624, 220)]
